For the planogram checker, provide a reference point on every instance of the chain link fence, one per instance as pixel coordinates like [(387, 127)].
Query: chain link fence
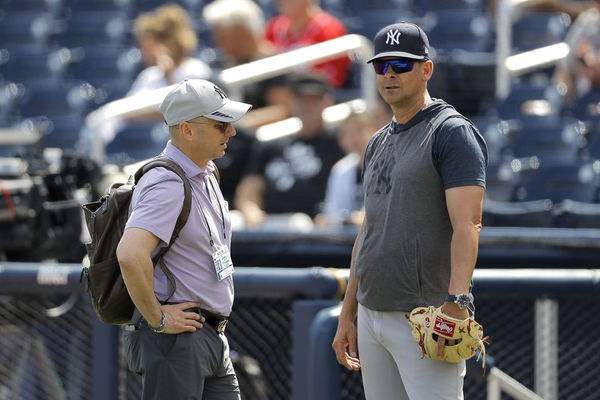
[(259, 335), (45, 351), (46, 347)]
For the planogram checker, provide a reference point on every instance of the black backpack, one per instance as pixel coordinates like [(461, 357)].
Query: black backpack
[(106, 221)]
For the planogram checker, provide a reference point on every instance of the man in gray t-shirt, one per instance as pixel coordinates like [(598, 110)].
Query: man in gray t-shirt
[(424, 179)]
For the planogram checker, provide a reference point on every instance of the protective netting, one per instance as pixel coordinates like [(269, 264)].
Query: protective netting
[(259, 337), (46, 351), (45, 355)]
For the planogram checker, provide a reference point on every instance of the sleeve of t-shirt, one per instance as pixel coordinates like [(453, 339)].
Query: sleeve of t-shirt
[(157, 203), (460, 154)]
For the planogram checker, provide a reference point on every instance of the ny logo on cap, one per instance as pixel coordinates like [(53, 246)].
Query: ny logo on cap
[(220, 92), (393, 37)]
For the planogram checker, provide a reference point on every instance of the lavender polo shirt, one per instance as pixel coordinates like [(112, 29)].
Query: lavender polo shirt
[(155, 206)]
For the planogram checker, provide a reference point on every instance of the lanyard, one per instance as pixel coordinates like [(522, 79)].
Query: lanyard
[(198, 205)]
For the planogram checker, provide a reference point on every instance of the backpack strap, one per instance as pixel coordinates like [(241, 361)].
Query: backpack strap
[(181, 219)]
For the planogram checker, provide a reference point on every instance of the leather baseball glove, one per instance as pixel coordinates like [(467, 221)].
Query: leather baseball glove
[(463, 337)]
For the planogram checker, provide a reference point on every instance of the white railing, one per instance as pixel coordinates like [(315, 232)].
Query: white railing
[(498, 382), (508, 65), (254, 71)]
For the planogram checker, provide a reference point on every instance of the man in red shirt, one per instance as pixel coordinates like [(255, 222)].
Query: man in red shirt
[(302, 23)]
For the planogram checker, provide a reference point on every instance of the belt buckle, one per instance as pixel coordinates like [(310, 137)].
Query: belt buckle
[(220, 327)]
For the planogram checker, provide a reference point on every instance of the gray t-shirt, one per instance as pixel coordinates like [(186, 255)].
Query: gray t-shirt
[(403, 260)]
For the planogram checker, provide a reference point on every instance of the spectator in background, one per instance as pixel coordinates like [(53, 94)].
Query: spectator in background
[(289, 174), (344, 197), (579, 72), (237, 28), (303, 23), (167, 40)]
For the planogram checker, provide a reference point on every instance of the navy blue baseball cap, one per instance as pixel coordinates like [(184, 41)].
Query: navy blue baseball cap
[(404, 40)]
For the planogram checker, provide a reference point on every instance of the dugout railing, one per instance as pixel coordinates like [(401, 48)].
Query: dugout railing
[(542, 325)]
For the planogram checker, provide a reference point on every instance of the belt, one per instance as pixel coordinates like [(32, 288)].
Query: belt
[(218, 322)]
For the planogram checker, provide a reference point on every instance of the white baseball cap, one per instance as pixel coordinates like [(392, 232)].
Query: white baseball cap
[(194, 98)]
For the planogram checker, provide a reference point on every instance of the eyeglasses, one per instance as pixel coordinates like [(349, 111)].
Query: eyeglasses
[(398, 66), (220, 125)]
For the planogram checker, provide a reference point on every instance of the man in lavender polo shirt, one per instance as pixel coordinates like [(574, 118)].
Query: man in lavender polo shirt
[(176, 340)]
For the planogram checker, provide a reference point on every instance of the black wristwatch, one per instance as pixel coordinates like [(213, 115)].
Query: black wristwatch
[(163, 324), (463, 300)]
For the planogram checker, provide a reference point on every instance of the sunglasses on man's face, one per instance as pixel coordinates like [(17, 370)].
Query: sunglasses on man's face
[(220, 125), (398, 66)]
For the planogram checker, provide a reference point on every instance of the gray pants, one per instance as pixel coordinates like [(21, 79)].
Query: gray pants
[(190, 366), (391, 363)]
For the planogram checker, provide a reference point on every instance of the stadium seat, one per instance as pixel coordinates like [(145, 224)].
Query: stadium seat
[(93, 28), (63, 131), (498, 135), (522, 98), (137, 141), (99, 64), (10, 96), (587, 107), (26, 28), (459, 29), (99, 5), (575, 214), (33, 66), (53, 6), (536, 213), (74, 98), (575, 181), (424, 6), (503, 178), (371, 21), (551, 142), (537, 29)]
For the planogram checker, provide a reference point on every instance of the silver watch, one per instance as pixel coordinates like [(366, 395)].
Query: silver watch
[(463, 300), (163, 324)]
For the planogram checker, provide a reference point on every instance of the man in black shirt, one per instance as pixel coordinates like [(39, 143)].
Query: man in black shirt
[(289, 174)]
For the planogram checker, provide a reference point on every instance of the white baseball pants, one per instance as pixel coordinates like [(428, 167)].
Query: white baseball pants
[(391, 363)]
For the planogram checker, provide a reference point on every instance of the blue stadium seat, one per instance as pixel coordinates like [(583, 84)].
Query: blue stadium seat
[(503, 178), (498, 134), (10, 96), (501, 182), (575, 181), (424, 6), (137, 141), (587, 107), (63, 131), (99, 64), (576, 214), (26, 28), (93, 28), (371, 21), (537, 29), (357, 7), (53, 6), (536, 213), (100, 5), (32, 65), (460, 29), (521, 100), (74, 98), (551, 142)]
